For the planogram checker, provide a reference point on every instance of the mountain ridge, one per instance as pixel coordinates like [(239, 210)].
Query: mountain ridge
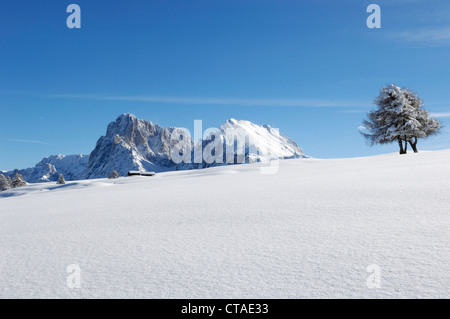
[(135, 144)]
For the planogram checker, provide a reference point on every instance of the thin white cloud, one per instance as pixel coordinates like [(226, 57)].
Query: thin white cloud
[(431, 36), (444, 114), (23, 141), (218, 101), (74, 96), (353, 111), (244, 102)]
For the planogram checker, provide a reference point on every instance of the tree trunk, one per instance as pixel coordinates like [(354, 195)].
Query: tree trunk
[(406, 146), (400, 144), (414, 145)]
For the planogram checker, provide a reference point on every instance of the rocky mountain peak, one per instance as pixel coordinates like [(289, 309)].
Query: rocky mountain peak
[(134, 144)]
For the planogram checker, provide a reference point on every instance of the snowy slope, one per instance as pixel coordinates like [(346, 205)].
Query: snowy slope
[(310, 230)]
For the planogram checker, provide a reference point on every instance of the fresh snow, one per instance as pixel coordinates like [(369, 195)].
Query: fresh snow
[(310, 230)]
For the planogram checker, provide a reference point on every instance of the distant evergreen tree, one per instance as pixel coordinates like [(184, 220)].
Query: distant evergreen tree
[(18, 181), (114, 175), (61, 180), (4, 183), (400, 117)]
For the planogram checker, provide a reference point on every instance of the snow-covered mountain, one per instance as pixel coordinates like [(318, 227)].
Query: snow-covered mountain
[(73, 167), (265, 142), (134, 144)]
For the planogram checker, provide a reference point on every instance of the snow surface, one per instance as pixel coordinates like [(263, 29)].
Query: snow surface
[(310, 230)]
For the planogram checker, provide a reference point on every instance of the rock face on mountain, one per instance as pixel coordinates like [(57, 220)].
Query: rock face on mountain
[(134, 144)]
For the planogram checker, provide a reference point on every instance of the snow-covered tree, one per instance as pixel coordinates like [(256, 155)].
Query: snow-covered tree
[(61, 180), (18, 181), (114, 175), (400, 117), (4, 183)]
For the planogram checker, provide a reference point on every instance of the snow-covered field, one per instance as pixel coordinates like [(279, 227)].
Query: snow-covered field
[(310, 230)]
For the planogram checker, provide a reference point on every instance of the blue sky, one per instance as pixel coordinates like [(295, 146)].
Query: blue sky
[(310, 68)]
